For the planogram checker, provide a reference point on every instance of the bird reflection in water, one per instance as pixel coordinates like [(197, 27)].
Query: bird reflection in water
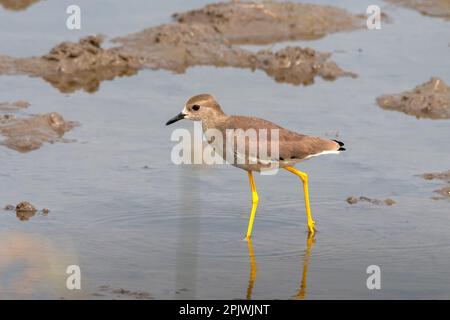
[(306, 258), (251, 281), (301, 294)]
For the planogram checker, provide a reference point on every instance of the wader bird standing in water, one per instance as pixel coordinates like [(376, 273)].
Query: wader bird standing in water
[(292, 147)]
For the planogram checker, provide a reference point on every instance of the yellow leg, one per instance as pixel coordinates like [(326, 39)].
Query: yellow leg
[(254, 205), (304, 177), (251, 281)]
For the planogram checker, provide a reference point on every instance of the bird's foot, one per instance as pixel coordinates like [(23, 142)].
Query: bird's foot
[(311, 227)]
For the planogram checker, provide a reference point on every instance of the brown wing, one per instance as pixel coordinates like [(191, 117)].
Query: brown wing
[(292, 145)]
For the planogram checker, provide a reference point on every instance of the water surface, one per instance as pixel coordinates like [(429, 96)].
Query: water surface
[(131, 219)]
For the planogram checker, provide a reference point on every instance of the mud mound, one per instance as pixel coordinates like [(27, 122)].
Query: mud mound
[(6, 65), (29, 134), (71, 66), (429, 100), (204, 37), (433, 8), (444, 193), (25, 210), (268, 22), (354, 200), (17, 5), (299, 66), (176, 47), (13, 106), (25, 206), (437, 175)]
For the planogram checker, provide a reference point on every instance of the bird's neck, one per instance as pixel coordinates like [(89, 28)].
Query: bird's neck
[(213, 123)]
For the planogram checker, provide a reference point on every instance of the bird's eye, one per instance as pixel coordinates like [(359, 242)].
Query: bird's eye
[(195, 107)]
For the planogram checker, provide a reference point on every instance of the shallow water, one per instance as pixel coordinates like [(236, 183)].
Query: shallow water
[(131, 219)]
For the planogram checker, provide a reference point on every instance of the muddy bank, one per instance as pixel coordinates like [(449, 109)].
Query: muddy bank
[(268, 22), (6, 65), (27, 134), (177, 47), (444, 193), (17, 5), (25, 210), (13, 106), (445, 176), (299, 65), (433, 8), (71, 66), (208, 42), (429, 100), (354, 200)]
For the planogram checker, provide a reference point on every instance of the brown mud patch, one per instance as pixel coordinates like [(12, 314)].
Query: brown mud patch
[(268, 22), (208, 42), (429, 100), (444, 193), (354, 200), (433, 8), (17, 5), (27, 134), (71, 66), (13, 106), (7, 65), (177, 47), (299, 65), (437, 175), (25, 210)]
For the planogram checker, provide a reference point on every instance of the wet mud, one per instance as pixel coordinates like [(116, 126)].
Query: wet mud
[(25, 210), (30, 133), (210, 41), (437, 175), (17, 5), (443, 193), (299, 66), (13, 106), (9, 207), (72, 66), (7, 65), (433, 8), (268, 22), (429, 100), (177, 47), (354, 200), (25, 206)]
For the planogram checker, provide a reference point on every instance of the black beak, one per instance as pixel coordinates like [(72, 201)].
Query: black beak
[(178, 117)]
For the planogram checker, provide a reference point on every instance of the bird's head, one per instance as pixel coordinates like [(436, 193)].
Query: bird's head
[(197, 108)]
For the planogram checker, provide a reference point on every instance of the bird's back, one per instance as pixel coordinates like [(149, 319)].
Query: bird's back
[(292, 146)]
